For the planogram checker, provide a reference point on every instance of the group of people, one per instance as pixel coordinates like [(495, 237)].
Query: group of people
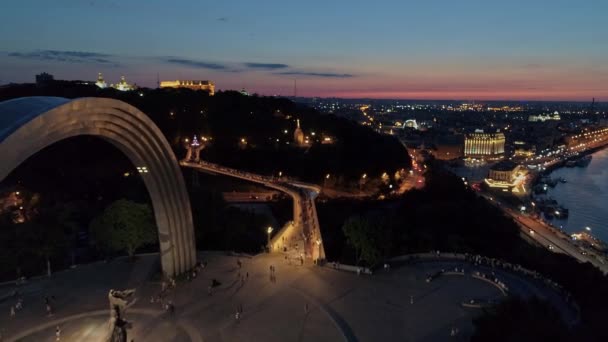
[(19, 305), (171, 283), (273, 277)]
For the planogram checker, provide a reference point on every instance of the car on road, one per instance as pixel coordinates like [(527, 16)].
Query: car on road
[(551, 247)]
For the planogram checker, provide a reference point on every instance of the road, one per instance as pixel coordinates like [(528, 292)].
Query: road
[(545, 236)]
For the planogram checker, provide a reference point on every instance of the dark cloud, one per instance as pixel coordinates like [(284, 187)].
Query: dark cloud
[(65, 56), (315, 74), (196, 64), (271, 66)]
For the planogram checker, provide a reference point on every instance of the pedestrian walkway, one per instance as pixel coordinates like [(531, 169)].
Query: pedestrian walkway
[(275, 301)]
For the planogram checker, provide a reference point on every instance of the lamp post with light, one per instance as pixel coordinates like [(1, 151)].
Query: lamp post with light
[(269, 231)]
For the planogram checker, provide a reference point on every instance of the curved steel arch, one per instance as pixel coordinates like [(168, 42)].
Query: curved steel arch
[(29, 124)]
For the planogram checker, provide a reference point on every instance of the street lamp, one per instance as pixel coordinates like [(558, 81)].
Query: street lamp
[(269, 231)]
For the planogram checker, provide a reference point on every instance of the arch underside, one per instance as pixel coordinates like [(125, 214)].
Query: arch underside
[(140, 140)]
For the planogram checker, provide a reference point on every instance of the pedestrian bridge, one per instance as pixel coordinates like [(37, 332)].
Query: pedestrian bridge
[(304, 230)]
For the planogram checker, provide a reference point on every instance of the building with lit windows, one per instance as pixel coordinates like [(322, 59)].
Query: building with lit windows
[(542, 118), (507, 175), (207, 86), (504, 171), (522, 149), (488, 146)]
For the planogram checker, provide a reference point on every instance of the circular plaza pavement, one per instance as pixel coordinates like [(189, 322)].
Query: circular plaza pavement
[(299, 303)]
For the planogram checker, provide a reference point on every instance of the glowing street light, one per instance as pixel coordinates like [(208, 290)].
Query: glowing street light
[(269, 231), (588, 229)]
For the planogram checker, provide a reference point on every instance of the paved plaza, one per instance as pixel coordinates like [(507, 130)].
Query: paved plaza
[(298, 303)]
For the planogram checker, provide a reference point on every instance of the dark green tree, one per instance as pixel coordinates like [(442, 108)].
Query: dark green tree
[(369, 237), (124, 226), (519, 320), (49, 236)]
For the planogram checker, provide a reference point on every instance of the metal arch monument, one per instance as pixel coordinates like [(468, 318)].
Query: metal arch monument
[(29, 124)]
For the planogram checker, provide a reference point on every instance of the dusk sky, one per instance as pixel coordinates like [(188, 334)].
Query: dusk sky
[(432, 49)]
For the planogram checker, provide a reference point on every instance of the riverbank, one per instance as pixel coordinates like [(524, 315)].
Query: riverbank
[(585, 194), (547, 171)]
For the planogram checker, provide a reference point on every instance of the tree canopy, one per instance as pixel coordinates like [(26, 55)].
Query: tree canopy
[(519, 320), (371, 238), (124, 226)]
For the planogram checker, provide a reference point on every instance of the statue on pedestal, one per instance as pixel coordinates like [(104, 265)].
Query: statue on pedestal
[(119, 301)]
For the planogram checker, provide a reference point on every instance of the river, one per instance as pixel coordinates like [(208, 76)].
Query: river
[(585, 195)]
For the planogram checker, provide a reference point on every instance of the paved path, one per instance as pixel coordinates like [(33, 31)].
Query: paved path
[(302, 303)]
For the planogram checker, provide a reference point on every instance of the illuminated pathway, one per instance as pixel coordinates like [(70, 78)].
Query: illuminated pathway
[(302, 236), (305, 303)]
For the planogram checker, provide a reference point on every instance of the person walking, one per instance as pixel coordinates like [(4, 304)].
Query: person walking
[(57, 333)]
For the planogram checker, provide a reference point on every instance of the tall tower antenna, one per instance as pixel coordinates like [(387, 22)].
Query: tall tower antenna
[(592, 106), (295, 88), (157, 80)]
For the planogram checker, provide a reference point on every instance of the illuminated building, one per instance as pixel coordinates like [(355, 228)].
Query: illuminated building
[(298, 135), (100, 82), (481, 145), (327, 140), (123, 85), (504, 171), (542, 118), (506, 174), (207, 86), (506, 109), (411, 124), (522, 149)]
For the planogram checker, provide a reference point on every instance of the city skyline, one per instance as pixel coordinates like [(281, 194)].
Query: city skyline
[(478, 51)]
